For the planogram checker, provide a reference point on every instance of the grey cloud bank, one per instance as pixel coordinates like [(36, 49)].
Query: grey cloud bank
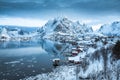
[(75, 9)]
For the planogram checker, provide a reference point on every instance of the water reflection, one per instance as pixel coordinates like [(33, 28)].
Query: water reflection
[(17, 44), (22, 59)]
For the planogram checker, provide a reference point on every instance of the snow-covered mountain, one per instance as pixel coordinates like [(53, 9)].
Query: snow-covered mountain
[(4, 35), (24, 28), (111, 29), (63, 27), (17, 34)]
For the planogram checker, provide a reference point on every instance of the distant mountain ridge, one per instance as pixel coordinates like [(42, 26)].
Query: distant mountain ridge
[(112, 29), (24, 28), (61, 28)]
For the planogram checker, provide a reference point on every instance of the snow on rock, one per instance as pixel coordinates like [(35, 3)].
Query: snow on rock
[(15, 33), (59, 27), (99, 44), (91, 50), (111, 29), (93, 69), (60, 73), (4, 35)]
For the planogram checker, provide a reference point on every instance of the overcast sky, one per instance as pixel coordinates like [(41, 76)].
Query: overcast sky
[(38, 12)]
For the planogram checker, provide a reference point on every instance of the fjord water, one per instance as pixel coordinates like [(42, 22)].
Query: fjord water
[(23, 59)]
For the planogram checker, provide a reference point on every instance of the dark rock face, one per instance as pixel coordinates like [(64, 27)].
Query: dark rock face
[(116, 50)]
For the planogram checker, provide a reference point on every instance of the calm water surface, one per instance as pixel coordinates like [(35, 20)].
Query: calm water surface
[(20, 60)]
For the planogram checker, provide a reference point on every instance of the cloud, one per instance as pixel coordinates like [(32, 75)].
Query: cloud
[(85, 6), (89, 11), (22, 22)]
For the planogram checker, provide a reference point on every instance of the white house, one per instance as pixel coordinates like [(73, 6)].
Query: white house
[(76, 59)]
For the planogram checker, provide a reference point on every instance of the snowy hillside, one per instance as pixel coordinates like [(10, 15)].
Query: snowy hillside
[(111, 29), (60, 27), (98, 64)]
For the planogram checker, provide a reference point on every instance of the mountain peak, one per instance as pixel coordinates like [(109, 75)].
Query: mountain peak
[(61, 18), (112, 29), (63, 25), (58, 24), (4, 31)]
